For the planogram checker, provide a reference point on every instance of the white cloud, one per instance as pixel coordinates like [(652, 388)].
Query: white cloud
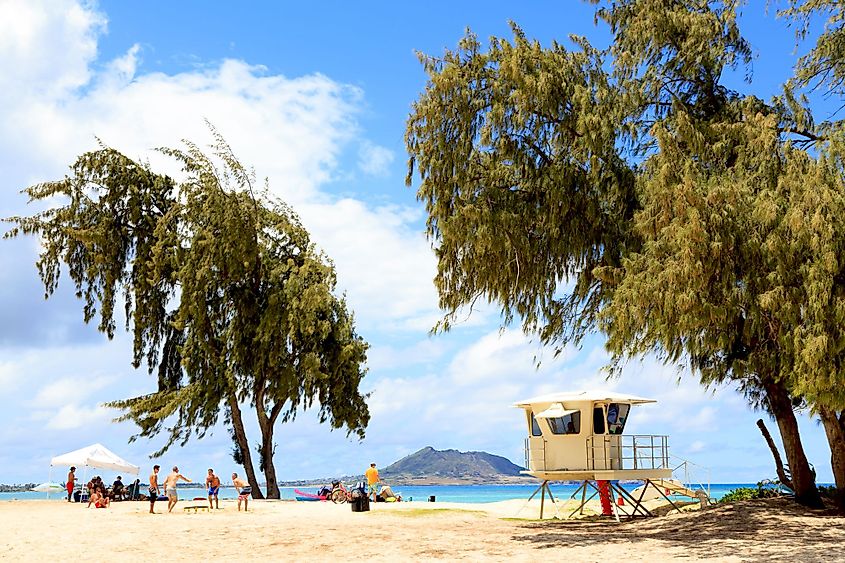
[(373, 159), (59, 392), (71, 417), (696, 446), (385, 265), (383, 357), (46, 47)]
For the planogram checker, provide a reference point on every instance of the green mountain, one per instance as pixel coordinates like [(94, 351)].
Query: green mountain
[(429, 464)]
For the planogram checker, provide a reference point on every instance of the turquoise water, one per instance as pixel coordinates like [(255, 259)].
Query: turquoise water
[(442, 493)]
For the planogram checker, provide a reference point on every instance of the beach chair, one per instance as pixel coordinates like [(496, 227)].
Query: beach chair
[(133, 491)]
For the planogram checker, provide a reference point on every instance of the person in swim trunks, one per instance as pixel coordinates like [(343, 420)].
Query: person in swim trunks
[(71, 481), (213, 484), (373, 481), (170, 487), (98, 500), (244, 491), (153, 490)]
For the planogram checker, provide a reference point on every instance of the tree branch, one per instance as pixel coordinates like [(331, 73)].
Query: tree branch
[(784, 478)]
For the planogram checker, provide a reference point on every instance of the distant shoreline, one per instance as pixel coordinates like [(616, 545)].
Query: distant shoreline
[(393, 480), (402, 480)]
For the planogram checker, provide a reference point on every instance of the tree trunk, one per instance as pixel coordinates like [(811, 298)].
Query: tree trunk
[(834, 428), (803, 479), (784, 478), (243, 444), (269, 466), (267, 425)]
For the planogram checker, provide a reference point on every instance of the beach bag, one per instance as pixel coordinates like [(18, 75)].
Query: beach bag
[(360, 504)]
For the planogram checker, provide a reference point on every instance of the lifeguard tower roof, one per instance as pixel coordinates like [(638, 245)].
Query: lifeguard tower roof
[(593, 395)]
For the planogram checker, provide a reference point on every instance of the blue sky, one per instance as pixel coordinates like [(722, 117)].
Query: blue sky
[(316, 100)]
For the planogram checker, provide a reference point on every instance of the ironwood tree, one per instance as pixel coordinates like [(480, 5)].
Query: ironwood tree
[(628, 191), (227, 299)]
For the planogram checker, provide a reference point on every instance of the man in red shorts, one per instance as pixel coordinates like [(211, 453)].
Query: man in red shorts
[(71, 480)]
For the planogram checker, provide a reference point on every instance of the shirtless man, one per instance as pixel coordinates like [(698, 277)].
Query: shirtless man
[(244, 491), (153, 487), (71, 480), (170, 487), (212, 482)]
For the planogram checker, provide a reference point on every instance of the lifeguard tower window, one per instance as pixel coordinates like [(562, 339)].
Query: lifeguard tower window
[(569, 424), (535, 428), (598, 419), (617, 414)]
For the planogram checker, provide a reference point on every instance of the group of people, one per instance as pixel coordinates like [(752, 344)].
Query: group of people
[(100, 497), (98, 494), (212, 483), (374, 481)]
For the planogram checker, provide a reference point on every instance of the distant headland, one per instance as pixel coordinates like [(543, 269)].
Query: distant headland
[(429, 466)]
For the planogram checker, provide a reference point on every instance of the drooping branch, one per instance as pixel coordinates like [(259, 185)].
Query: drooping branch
[(781, 471)]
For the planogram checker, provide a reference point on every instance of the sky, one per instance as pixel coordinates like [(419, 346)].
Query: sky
[(316, 101)]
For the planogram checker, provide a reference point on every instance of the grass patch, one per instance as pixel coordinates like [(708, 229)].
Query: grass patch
[(422, 512)]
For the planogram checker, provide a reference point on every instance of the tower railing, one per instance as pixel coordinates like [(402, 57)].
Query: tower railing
[(627, 451), (535, 458)]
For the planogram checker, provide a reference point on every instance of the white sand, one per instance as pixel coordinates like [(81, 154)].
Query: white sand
[(308, 531)]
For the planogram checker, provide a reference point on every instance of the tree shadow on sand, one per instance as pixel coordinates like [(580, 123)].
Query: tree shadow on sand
[(759, 530)]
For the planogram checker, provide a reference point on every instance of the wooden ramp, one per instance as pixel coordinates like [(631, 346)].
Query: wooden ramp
[(669, 487)]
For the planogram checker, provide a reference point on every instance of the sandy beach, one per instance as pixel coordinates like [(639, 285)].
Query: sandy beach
[(772, 530)]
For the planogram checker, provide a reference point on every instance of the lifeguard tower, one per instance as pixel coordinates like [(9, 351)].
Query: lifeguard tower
[(580, 436)]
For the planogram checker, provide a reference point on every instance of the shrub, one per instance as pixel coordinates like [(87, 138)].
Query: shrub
[(766, 488)]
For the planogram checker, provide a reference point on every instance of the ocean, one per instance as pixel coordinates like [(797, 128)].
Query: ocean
[(417, 493)]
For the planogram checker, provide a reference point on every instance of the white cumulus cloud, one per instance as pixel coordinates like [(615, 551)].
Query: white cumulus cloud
[(373, 159)]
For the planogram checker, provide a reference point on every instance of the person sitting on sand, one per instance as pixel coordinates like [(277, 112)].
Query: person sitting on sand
[(386, 495), (71, 480), (98, 499), (213, 484), (170, 487), (244, 491)]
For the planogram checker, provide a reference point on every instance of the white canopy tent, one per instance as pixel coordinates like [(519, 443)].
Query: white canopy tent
[(95, 456)]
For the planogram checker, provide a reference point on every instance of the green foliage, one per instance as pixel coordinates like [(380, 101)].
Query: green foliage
[(828, 491), (629, 191), (522, 178), (765, 489), (222, 287), (740, 494)]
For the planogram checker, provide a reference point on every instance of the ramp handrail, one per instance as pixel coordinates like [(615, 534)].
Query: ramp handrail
[(691, 474)]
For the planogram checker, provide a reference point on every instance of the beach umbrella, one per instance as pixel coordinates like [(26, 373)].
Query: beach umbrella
[(48, 488)]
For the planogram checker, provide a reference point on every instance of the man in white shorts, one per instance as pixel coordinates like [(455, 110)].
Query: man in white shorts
[(170, 487)]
